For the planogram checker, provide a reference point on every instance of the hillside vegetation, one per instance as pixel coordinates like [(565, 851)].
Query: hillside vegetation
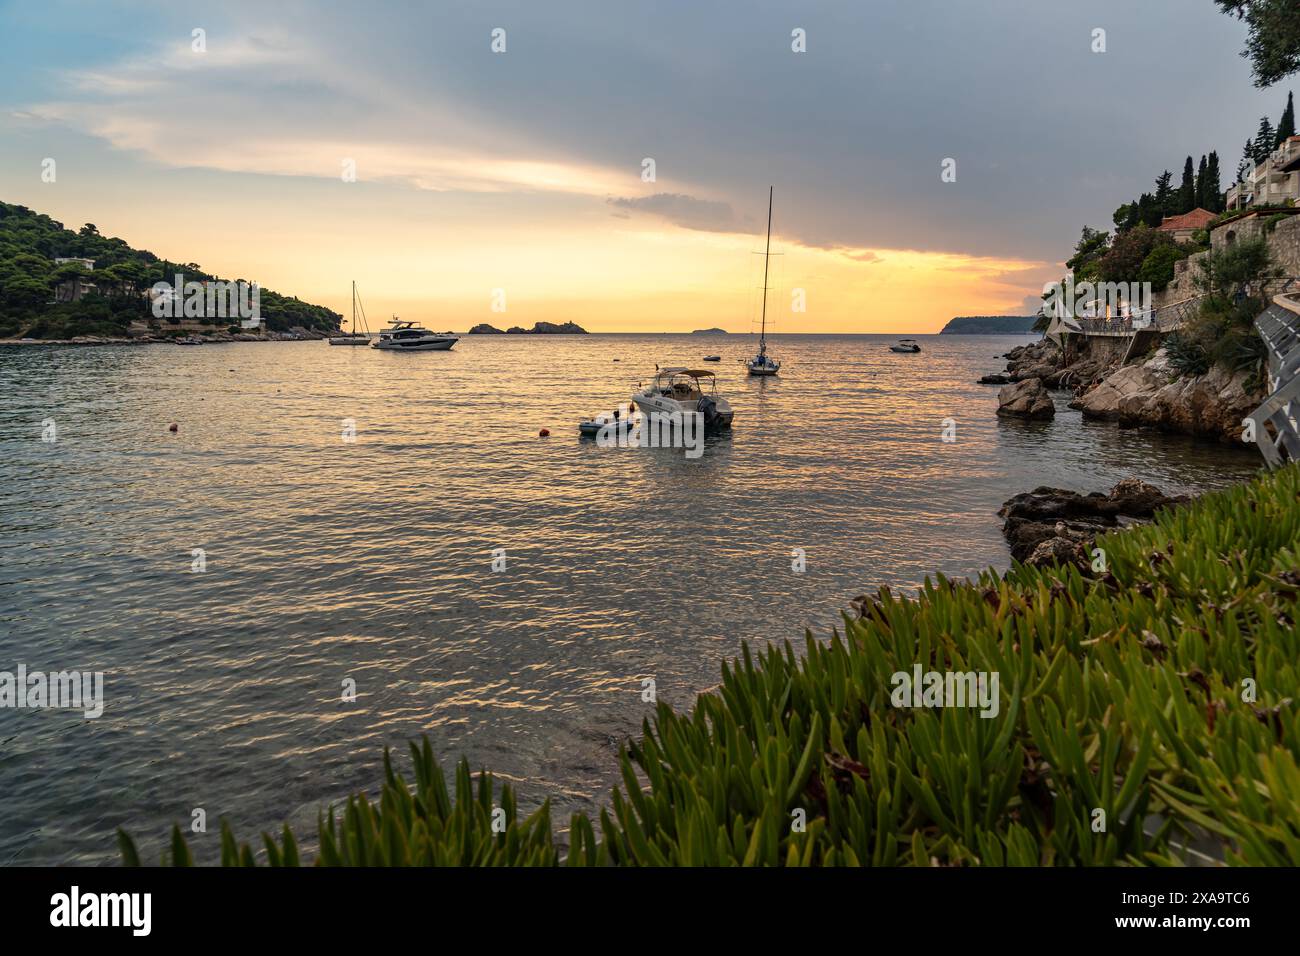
[(989, 325), (29, 244), (1147, 716)]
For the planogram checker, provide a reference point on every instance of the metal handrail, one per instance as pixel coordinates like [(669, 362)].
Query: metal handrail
[(1279, 327)]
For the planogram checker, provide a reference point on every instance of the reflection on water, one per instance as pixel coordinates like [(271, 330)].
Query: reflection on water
[(371, 560)]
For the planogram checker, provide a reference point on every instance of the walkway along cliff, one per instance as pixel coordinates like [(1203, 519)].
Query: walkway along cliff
[(1152, 371)]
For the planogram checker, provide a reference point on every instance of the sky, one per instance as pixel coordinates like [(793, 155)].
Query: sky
[(511, 186)]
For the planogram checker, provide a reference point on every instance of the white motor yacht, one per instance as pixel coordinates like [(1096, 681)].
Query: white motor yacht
[(684, 391), (906, 345), (409, 337)]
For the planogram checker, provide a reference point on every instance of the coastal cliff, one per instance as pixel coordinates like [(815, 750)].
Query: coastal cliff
[(990, 325), (1151, 393)]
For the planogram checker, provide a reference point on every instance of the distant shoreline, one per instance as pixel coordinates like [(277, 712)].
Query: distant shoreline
[(316, 337)]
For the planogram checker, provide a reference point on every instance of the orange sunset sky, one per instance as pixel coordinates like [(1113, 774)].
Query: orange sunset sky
[(522, 169)]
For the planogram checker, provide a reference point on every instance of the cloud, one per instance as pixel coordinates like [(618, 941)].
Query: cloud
[(859, 255), (682, 210)]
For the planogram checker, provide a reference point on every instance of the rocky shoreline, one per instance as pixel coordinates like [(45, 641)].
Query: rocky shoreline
[(194, 338), (1149, 393)]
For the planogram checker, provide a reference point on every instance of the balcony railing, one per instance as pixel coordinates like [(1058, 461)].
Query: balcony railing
[(1276, 430)]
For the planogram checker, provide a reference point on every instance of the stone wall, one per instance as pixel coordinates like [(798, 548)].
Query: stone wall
[(1283, 243)]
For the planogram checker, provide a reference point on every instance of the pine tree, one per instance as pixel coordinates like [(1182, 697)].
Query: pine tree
[(1263, 140), (1202, 199), (1213, 200), (1286, 125), (1186, 198)]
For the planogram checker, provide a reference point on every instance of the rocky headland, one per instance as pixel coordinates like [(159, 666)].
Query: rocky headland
[(1148, 392)]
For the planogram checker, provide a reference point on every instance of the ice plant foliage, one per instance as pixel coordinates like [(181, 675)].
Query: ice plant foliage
[(1146, 717)]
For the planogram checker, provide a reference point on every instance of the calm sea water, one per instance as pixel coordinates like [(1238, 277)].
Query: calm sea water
[(371, 560)]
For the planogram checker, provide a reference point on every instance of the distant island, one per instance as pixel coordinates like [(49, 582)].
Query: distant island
[(709, 332), (60, 284), (990, 325), (539, 328)]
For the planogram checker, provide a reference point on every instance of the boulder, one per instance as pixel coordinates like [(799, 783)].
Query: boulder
[(1026, 399), (1045, 514), (1057, 550), (1153, 394), (995, 379)]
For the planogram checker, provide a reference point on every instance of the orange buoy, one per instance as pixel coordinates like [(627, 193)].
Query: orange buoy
[(544, 433), (173, 427)]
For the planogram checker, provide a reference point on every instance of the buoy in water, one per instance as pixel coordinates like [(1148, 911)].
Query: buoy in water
[(544, 433), (173, 427)]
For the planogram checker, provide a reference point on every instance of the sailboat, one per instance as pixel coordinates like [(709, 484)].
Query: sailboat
[(354, 337), (762, 363)]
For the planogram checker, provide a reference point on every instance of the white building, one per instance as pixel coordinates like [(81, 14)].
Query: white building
[(1272, 182), (87, 264)]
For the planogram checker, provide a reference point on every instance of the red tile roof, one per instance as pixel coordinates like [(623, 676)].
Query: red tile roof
[(1196, 219)]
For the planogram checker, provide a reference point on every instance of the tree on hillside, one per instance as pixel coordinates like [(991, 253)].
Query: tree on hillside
[(1165, 195), (1123, 261), (1264, 137), (1187, 189), (1213, 200), (1273, 44), (1201, 179), (1286, 125), (1092, 245), (1247, 163)]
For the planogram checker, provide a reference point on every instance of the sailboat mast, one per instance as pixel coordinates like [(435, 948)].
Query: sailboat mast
[(767, 252), (354, 306)]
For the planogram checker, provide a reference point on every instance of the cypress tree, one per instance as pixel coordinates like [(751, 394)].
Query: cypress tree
[(1247, 164), (1186, 200), (1286, 125), (1213, 196), (1202, 199)]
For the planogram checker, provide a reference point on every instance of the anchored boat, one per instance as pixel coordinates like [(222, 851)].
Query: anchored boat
[(762, 363), (409, 337), (905, 345), (685, 391), (615, 422), (354, 337)]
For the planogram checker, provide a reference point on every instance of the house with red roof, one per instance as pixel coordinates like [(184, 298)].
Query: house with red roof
[(1183, 226)]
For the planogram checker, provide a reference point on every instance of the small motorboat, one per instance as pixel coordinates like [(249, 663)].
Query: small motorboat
[(617, 421), (712, 358), (905, 345), (683, 391)]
